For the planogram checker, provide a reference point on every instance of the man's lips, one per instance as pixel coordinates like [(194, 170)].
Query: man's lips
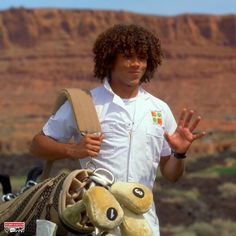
[(134, 71)]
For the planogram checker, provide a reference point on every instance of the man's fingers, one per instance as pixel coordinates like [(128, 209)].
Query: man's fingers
[(102, 137), (93, 136), (181, 117), (93, 142), (88, 139), (167, 136), (92, 153), (195, 123), (95, 148), (188, 118), (199, 135), (88, 154)]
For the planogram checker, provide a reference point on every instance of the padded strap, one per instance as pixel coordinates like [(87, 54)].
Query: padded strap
[(83, 108), (84, 112)]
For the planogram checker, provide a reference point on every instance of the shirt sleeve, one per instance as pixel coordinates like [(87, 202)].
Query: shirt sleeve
[(170, 126), (61, 126)]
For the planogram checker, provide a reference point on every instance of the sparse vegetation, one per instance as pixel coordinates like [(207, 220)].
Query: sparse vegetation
[(227, 190), (200, 204), (175, 195), (216, 227)]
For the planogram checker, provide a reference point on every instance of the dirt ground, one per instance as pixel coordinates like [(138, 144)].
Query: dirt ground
[(209, 203)]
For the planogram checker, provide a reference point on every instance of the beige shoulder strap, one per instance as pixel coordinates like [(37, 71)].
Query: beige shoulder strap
[(84, 112), (83, 108)]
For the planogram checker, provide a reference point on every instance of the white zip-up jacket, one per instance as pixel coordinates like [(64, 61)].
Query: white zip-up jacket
[(133, 144)]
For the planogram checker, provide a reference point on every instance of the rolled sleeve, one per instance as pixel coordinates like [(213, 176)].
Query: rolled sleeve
[(61, 126), (166, 150), (170, 127)]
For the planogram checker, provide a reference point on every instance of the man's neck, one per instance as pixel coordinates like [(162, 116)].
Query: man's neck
[(125, 92)]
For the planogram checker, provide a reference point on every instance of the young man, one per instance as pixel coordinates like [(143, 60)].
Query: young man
[(139, 132)]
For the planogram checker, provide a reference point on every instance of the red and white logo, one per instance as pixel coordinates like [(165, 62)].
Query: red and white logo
[(14, 227)]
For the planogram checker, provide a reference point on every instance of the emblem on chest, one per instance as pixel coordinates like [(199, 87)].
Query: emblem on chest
[(157, 117)]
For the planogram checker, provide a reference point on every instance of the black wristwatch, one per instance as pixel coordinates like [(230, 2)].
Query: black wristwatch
[(179, 155)]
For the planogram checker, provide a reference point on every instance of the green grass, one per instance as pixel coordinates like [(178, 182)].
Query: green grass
[(16, 182), (226, 170)]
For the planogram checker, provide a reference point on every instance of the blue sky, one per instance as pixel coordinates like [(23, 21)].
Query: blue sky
[(156, 7)]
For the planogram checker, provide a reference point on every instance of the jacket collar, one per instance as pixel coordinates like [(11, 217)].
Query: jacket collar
[(141, 102), (141, 92)]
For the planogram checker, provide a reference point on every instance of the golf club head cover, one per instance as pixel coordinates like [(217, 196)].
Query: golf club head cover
[(72, 211), (102, 208), (134, 196), (75, 220), (134, 225)]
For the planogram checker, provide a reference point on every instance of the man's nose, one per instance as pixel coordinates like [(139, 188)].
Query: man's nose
[(134, 61)]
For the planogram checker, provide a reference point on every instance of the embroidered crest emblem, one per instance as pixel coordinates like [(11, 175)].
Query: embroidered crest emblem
[(157, 117)]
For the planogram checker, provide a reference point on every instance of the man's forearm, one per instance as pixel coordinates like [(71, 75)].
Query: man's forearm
[(47, 148), (173, 168)]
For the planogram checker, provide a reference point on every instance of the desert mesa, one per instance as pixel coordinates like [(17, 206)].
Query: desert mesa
[(44, 50)]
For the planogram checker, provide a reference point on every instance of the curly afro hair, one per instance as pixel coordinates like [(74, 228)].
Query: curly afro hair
[(127, 40)]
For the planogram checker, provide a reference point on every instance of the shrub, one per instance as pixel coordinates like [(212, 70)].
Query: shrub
[(217, 227), (227, 190), (202, 229), (224, 227)]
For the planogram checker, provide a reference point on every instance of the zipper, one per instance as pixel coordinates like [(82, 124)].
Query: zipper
[(129, 154)]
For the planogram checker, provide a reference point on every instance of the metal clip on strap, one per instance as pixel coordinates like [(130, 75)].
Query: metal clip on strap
[(102, 177)]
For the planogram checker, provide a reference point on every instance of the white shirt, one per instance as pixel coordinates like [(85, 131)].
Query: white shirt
[(133, 143)]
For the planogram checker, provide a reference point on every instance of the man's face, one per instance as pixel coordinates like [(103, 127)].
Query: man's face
[(128, 70)]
